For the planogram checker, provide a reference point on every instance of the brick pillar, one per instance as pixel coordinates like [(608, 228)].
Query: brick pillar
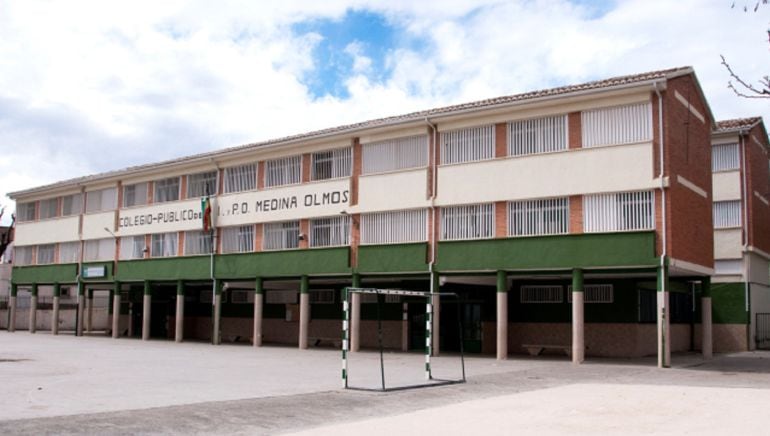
[(576, 214), (306, 158), (501, 220), (304, 229), (574, 125), (501, 140)]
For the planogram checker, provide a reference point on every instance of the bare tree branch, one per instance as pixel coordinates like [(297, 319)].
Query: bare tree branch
[(747, 90)]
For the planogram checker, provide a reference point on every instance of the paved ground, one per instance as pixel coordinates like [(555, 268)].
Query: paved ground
[(124, 386)]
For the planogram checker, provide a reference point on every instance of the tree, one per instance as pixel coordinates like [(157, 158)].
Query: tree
[(741, 87)]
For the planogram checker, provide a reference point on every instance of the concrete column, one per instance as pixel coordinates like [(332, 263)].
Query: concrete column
[(55, 314), (707, 345), (578, 317), (89, 310), (405, 327), (304, 311), (179, 314), (12, 308), (116, 311), (502, 315), (436, 315), (664, 331), (355, 315), (259, 303), (216, 335), (146, 311), (79, 316), (33, 310)]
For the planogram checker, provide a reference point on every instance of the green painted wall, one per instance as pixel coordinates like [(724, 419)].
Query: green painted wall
[(728, 303), (568, 251), (284, 263), (167, 268), (64, 273), (393, 258)]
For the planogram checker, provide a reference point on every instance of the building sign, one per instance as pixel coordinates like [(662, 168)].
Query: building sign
[(285, 203), (93, 272)]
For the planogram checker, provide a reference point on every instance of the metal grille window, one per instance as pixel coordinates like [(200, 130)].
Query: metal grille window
[(103, 199), (286, 171), (394, 227), (49, 208), (71, 204), (238, 239), (594, 293), (164, 244), (197, 242), (538, 217), (281, 236), (241, 297), (166, 190), (617, 125), (372, 298), (541, 294), (322, 296), (725, 157), (281, 297), (202, 184), (395, 154), (241, 178), (23, 255), (727, 214), (132, 247), (330, 232), (135, 195), (619, 211), (331, 164), (475, 221), (99, 249), (539, 135), (69, 252), (25, 212), (468, 145), (45, 254)]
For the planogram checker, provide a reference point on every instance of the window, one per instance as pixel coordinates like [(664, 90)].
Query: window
[(281, 236), (728, 266), (725, 157), (164, 245), (539, 135), (322, 296), (23, 255), (202, 184), (330, 232), (103, 199), (727, 214), (135, 195), (468, 145), (286, 171), (620, 211), (25, 212), (617, 125), (541, 294), (197, 242), (69, 252), (395, 154), (538, 217), (594, 293), (45, 254), (394, 227), (99, 249), (166, 190), (387, 298), (241, 297), (132, 247), (49, 208), (242, 178), (281, 297), (331, 164), (238, 239), (475, 221), (71, 204)]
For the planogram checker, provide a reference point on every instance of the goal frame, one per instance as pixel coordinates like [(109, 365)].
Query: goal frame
[(430, 380)]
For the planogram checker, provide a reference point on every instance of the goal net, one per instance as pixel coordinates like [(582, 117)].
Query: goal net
[(415, 296)]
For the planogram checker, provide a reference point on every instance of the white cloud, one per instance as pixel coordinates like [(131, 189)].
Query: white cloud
[(90, 86)]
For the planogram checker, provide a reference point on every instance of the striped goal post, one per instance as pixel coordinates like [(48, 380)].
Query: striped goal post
[(428, 296)]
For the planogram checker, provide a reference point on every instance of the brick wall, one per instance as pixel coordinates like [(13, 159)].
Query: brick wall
[(575, 139), (576, 214), (758, 180), (501, 140)]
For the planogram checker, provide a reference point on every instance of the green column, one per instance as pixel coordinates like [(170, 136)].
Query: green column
[(578, 317), (147, 288), (356, 280), (577, 280), (304, 285), (33, 290), (502, 281), (179, 288), (706, 287), (14, 289), (56, 290), (259, 286)]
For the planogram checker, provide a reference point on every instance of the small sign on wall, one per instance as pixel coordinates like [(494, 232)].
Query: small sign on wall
[(91, 272)]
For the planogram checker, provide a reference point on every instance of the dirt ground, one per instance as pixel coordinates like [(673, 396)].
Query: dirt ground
[(97, 385)]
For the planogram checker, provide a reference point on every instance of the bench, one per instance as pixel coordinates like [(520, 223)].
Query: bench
[(536, 349), (321, 341)]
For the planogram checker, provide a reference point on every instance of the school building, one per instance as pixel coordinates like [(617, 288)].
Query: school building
[(578, 219)]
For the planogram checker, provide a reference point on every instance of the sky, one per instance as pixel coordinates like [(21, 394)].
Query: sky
[(93, 86)]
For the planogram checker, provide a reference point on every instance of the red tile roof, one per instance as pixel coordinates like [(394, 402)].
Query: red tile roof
[(737, 124)]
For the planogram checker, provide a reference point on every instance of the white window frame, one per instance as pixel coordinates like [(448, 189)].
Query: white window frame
[(338, 231), (541, 294), (727, 214), (725, 157), (72, 205), (164, 244), (166, 187), (202, 184), (135, 194), (101, 200), (49, 250), (595, 293), (617, 125), (541, 217), (197, 242), (132, 247), (537, 135), (321, 296), (394, 227), (69, 252), (471, 144), (26, 212), (96, 250), (281, 297), (394, 154), (283, 235), (24, 256), (619, 212), (468, 222), (240, 178), (284, 171), (49, 208), (331, 164), (237, 239)]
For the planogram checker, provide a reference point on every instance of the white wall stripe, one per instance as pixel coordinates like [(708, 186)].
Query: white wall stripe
[(762, 198), (687, 104), (691, 186)]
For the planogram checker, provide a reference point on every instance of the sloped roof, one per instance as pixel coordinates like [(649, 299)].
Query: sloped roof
[(596, 85), (737, 124)]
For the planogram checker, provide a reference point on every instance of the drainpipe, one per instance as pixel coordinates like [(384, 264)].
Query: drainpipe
[(746, 261), (435, 301), (663, 310)]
